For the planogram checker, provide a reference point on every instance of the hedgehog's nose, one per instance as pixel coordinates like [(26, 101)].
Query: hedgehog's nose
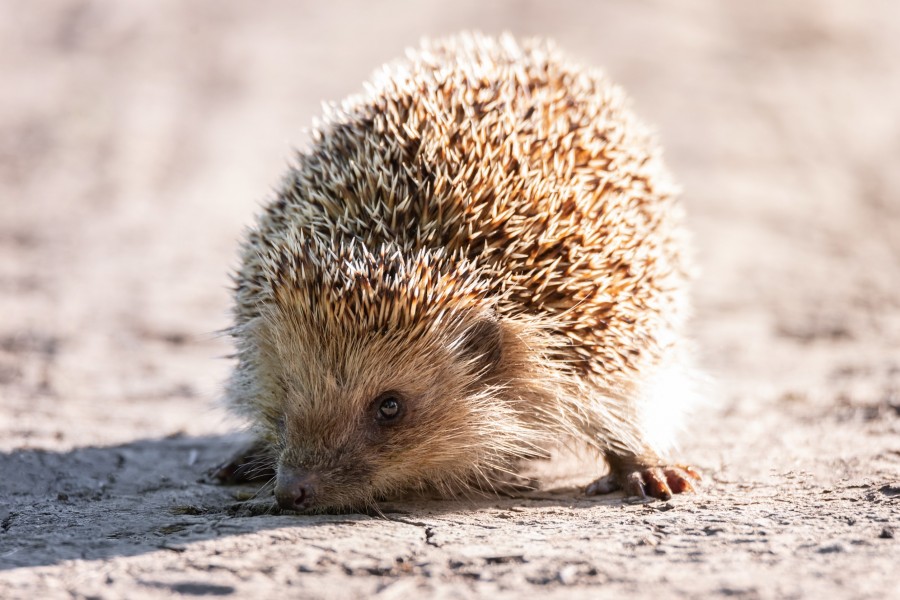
[(295, 488)]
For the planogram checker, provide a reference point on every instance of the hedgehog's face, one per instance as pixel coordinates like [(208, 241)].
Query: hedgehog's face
[(365, 416)]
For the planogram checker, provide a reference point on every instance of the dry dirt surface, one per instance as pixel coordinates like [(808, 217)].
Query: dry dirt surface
[(138, 138)]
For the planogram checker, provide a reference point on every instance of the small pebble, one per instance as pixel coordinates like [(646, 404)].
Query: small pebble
[(568, 574)]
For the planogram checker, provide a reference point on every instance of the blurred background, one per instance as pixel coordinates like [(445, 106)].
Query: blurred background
[(137, 139)]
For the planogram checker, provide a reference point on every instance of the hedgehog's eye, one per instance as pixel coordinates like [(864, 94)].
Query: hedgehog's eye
[(388, 407)]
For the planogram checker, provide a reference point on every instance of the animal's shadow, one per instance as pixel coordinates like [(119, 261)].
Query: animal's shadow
[(102, 502)]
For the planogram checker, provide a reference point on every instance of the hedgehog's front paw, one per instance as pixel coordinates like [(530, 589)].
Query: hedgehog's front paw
[(253, 464), (647, 482)]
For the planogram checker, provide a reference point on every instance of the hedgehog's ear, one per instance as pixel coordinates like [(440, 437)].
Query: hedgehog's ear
[(483, 343)]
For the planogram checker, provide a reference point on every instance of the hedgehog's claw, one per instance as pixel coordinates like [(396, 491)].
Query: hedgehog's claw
[(604, 485), (648, 482)]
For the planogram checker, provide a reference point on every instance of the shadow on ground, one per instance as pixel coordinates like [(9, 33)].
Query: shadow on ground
[(147, 495)]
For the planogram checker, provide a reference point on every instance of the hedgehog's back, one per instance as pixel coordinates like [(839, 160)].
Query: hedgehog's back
[(514, 158)]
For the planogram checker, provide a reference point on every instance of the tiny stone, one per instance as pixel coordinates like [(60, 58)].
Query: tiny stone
[(887, 533), (568, 574), (831, 548)]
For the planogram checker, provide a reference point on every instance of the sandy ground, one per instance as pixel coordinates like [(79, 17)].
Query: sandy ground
[(137, 139)]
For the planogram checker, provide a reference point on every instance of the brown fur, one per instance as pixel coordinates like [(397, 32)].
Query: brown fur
[(487, 231)]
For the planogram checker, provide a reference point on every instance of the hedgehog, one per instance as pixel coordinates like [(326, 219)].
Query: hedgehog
[(478, 257)]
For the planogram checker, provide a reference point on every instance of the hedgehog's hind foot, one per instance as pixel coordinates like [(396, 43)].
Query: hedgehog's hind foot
[(252, 464), (661, 481)]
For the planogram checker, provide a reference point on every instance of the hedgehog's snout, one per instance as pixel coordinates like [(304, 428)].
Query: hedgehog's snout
[(295, 488)]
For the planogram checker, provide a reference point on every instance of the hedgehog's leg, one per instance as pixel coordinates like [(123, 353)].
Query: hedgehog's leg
[(633, 429), (644, 477), (252, 464)]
